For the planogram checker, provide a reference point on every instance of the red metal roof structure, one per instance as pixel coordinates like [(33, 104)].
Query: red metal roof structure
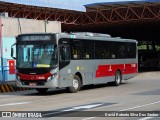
[(123, 12), (96, 13), (97, 16)]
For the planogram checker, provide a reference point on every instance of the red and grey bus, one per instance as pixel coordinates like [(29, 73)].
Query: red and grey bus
[(72, 60)]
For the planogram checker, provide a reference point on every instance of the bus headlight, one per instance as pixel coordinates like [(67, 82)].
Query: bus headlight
[(49, 78), (52, 77)]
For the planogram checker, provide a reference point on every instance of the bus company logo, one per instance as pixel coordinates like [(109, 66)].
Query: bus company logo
[(6, 114)]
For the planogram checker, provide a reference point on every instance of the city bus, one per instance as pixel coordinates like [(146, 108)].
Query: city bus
[(72, 60)]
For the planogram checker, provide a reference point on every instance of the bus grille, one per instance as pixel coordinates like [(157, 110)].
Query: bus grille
[(38, 83)]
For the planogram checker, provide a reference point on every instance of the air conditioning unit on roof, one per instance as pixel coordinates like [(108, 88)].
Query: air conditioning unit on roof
[(91, 34)]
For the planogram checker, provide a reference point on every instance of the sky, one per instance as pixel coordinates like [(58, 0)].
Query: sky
[(64, 4)]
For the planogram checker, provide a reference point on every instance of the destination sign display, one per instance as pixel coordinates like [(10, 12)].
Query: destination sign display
[(35, 37)]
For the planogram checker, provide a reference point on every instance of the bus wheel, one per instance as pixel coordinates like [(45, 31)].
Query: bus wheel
[(118, 79), (42, 90), (76, 85)]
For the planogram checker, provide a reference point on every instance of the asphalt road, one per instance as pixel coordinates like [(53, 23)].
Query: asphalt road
[(141, 93)]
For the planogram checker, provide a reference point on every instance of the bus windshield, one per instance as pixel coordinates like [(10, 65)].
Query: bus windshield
[(37, 55)]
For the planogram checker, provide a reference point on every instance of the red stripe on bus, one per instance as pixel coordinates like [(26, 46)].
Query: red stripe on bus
[(110, 70), (34, 77)]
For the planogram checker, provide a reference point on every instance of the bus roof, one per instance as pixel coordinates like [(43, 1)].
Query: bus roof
[(84, 36), (95, 36)]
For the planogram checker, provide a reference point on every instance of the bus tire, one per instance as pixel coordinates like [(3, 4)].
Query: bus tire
[(76, 85), (42, 90), (118, 78)]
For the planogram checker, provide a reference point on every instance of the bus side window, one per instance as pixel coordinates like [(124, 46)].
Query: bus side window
[(64, 53), (76, 49), (74, 53)]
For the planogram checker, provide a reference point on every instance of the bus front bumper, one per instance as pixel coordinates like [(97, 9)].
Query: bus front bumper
[(38, 84)]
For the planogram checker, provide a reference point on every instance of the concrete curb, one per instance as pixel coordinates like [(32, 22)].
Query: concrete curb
[(10, 88)]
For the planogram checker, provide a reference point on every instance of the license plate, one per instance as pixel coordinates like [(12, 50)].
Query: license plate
[(32, 84)]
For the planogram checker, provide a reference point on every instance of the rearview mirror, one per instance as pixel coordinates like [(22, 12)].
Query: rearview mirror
[(12, 51)]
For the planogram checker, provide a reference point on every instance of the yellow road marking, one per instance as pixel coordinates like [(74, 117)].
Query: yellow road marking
[(3, 89), (7, 88)]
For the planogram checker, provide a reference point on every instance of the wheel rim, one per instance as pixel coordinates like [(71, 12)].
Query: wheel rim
[(118, 78), (75, 84)]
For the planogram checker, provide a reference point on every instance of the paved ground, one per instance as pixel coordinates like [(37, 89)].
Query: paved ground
[(141, 93)]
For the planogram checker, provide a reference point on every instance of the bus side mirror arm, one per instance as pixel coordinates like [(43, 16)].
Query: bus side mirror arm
[(12, 51)]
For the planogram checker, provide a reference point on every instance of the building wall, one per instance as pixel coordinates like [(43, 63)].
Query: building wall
[(14, 26)]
